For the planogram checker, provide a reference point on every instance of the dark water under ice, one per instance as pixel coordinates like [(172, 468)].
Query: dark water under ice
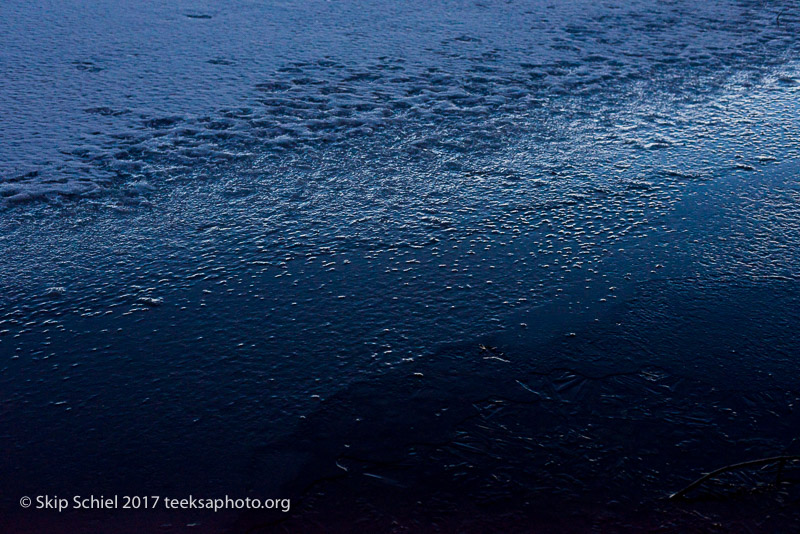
[(471, 266)]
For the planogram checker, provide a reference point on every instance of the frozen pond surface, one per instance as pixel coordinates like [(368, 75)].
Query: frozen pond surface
[(510, 253)]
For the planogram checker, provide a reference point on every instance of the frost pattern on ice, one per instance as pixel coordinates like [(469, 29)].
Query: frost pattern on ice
[(97, 100)]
